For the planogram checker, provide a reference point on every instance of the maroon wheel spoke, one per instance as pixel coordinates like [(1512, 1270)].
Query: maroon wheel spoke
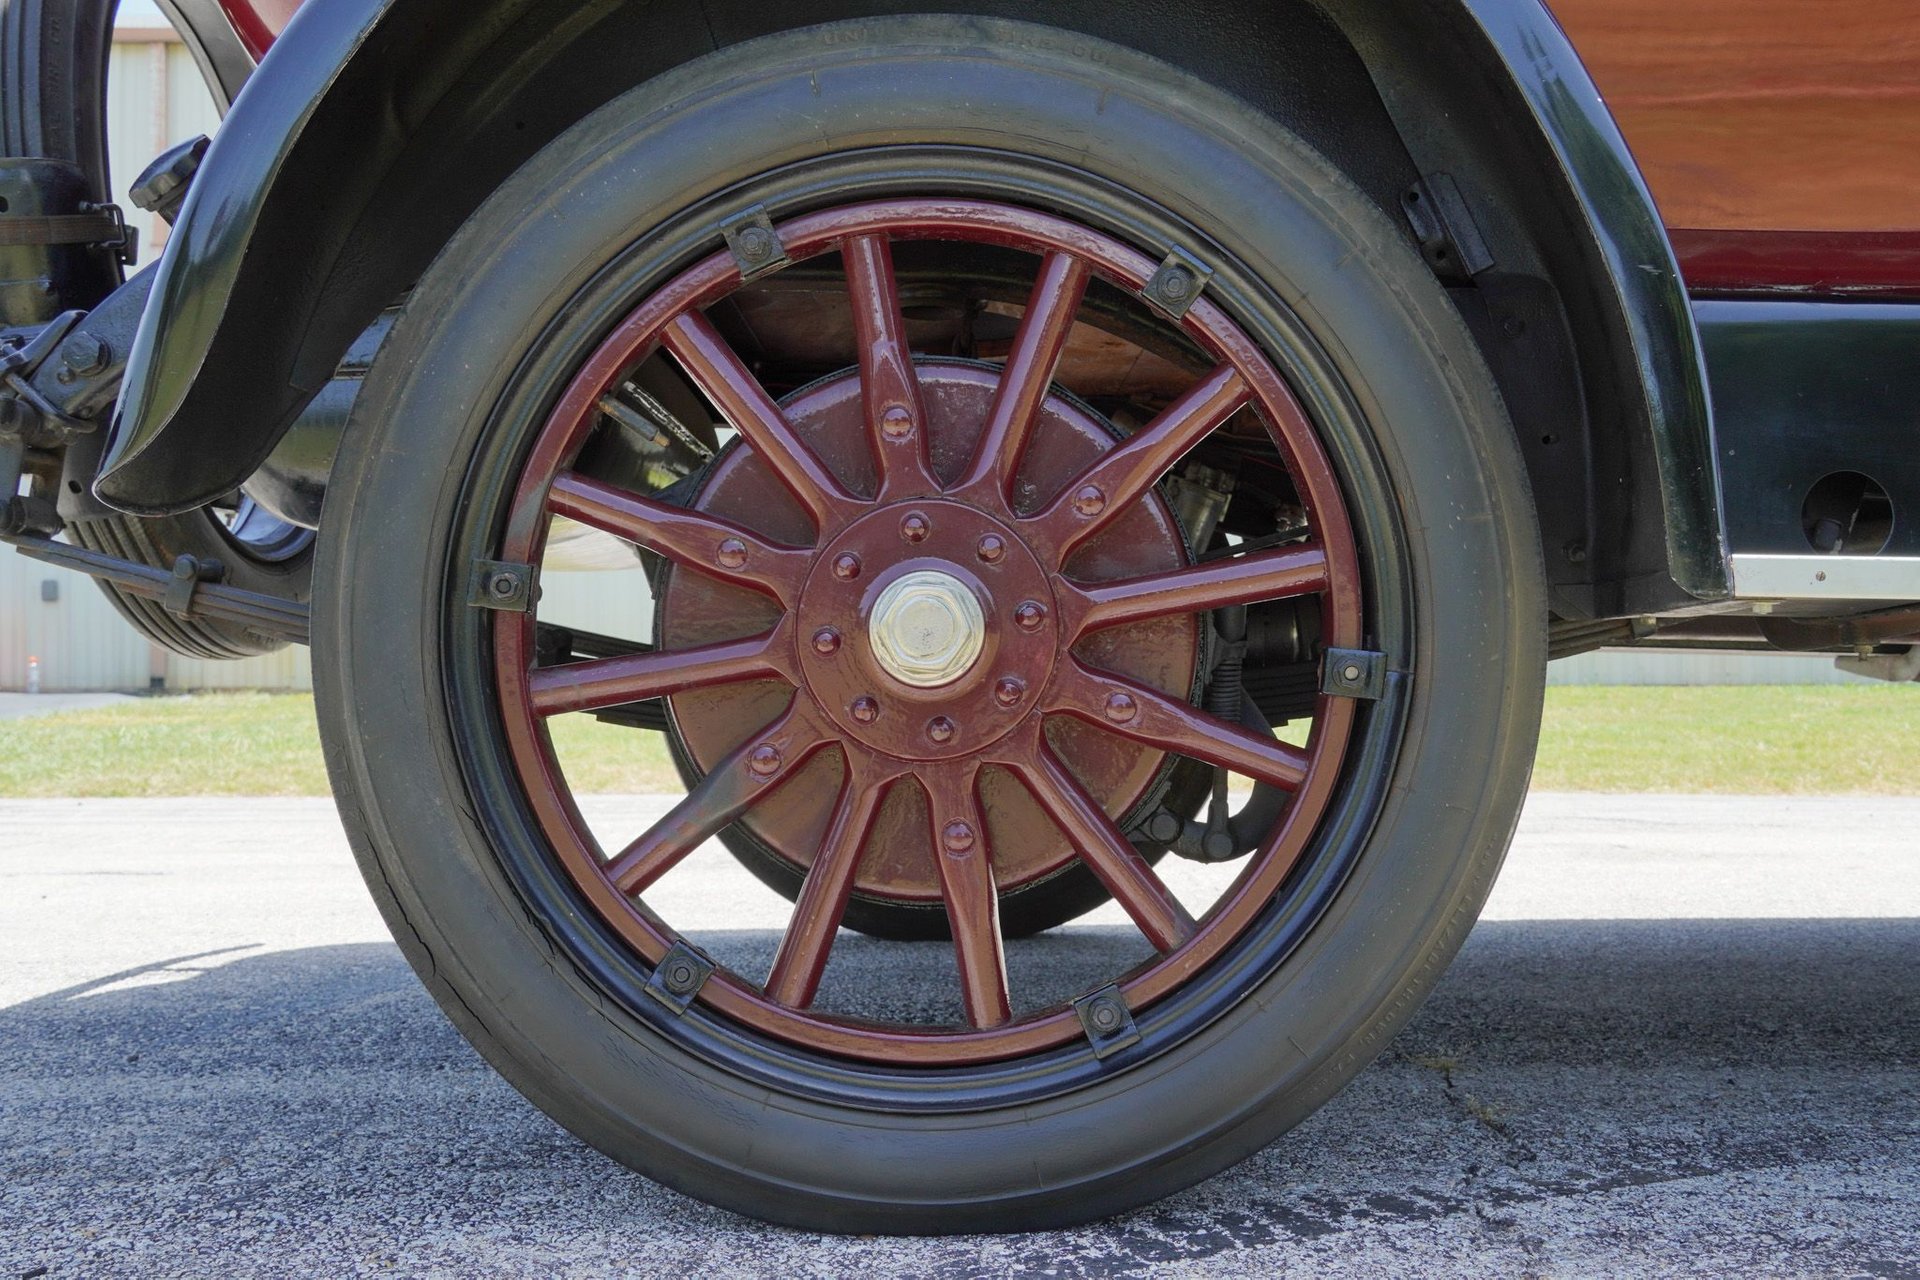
[(817, 912), (889, 389), (693, 341), (706, 543), (1127, 875), (611, 682), (761, 764), (959, 834), (1102, 492), (1263, 575), (1145, 715), (1029, 370)]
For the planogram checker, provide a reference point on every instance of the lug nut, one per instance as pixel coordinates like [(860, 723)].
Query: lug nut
[(765, 759), (865, 709), (1009, 691), (732, 553), (915, 527), (1089, 501), (846, 566), (992, 548), (958, 837), (940, 729), (896, 423), (1121, 707), (1030, 615), (825, 641)]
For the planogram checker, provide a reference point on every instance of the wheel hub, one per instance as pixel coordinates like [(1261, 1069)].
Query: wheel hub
[(926, 628)]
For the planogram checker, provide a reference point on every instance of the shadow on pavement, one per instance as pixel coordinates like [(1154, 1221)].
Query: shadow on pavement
[(315, 1103)]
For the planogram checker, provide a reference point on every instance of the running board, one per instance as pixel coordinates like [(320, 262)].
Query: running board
[(1815, 577), (188, 591)]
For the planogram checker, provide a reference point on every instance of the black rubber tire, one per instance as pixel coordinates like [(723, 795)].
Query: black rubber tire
[(53, 64), (1383, 900)]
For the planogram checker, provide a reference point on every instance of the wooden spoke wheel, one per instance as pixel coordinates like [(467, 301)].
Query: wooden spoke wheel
[(1015, 429)]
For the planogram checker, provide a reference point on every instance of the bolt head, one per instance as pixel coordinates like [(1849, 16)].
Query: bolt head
[(825, 641), (1121, 707), (958, 837), (1350, 672), (765, 759), (731, 553), (755, 244), (846, 566), (1089, 501), (865, 709), (1009, 691), (680, 977), (503, 585), (1176, 284), (1103, 1015), (896, 422), (940, 729), (1030, 615), (992, 548), (915, 527), (85, 353)]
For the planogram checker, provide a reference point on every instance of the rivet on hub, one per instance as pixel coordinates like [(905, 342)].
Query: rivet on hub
[(846, 566), (1009, 691), (1030, 615), (958, 837), (732, 553), (915, 527), (896, 423), (1121, 707), (865, 709), (825, 641), (992, 548), (940, 729), (765, 759), (1089, 501)]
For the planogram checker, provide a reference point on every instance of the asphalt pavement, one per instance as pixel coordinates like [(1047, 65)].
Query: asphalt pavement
[(1685, 1039)]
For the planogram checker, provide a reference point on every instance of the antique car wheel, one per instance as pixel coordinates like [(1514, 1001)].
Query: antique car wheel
[(930, 628)]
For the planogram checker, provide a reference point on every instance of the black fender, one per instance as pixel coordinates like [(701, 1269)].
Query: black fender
[(373, 127)]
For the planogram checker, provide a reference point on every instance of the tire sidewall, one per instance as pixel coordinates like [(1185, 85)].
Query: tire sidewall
[(1436, 455)]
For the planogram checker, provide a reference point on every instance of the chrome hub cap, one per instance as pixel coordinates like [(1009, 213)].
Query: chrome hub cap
[(927, 629)]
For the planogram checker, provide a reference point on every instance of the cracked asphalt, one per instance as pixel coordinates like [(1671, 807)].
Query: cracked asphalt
[(1684, 1040)]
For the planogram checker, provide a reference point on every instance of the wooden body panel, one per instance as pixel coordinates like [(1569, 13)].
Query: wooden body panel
[(1764, 115)]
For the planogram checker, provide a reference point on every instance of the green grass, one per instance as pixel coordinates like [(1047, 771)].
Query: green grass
[(1756, 739), (1733, 739)]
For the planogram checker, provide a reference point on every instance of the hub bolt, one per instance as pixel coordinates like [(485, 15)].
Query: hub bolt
[(992, 548), (1030, 615), (865, 709), (915, 527), (1010, 690), (1121, 707), (732, 553), (1089, 501), (940, 729), (825, 641), (958, 837), (765, 760), (846, 566), (896, 423)]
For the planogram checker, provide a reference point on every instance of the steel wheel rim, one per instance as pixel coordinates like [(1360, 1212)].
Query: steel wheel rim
[(862, 232)]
